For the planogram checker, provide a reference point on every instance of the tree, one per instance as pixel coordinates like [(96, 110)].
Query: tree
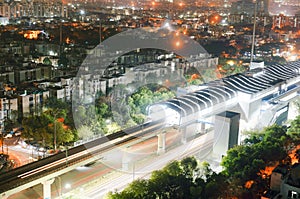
[(244, 163), (47, 61), (210, 74), (294, 130), (54, 103), (63, 61), (80, 116), (84, 132), (145, 96), (45, 127), (37, 128), (229, 69), (176, 180), (103, 110), (111, 128)]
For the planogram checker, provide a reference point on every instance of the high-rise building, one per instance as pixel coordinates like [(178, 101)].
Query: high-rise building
[(247, 7), (286, 7), (36, 8)]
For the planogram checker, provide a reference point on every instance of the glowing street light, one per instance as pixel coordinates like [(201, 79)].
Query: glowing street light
[(68, 186), (230, 62)]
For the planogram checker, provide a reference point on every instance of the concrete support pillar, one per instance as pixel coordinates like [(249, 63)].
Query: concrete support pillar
[(47, 188), (125, 160), (161, 143), (183, 135), (226, 132), (202, 127)]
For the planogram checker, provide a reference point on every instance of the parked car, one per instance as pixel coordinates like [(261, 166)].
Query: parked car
[(8, 135), (18, 133)]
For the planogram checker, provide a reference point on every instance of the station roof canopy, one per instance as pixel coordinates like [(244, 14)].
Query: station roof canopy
[(222, 90)]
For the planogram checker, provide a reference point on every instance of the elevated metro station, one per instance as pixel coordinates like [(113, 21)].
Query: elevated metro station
[(261, 98)]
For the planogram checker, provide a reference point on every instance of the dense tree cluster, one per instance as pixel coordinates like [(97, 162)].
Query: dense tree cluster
[(145, 96), (42, 129), (54, 120), (113, 112), (247, 162), (179, 179), (228, 67)]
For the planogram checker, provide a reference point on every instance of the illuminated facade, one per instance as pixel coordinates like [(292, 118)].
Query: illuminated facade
[(281, 21), (37, 8), (286, 7), (247, 7)]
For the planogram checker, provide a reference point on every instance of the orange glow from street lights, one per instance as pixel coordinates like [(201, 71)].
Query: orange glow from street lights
[(153, 3), (177, 43), (180, 4), (214, 18), (230, 62)]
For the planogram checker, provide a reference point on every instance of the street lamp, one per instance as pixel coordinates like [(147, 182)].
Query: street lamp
[(100, 32), (66, 155), (253, 34), (66, 186), (2, 138), (82, 13), (55, 147), (133, 170), (55, 113)]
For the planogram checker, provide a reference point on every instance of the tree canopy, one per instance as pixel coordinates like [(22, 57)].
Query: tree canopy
[(43, 127), (140, 100), (179, 179)]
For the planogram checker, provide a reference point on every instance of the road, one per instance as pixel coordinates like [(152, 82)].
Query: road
[(202, 144), (19, 155), (94, 181)]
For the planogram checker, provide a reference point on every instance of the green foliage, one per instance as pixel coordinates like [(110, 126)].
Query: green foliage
[(139, 101), (84, 132), (37, 128), (294, 130), (278, 60), (111, 128), (42, 128), (54, 103), (179, 179), (228, 69), (209, 75), (193, 81), (47, 61), (63, 61), (244, 162), (121, 116)]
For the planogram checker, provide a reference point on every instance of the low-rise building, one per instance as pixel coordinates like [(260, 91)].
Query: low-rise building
[(285, 183), (31, 102)]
